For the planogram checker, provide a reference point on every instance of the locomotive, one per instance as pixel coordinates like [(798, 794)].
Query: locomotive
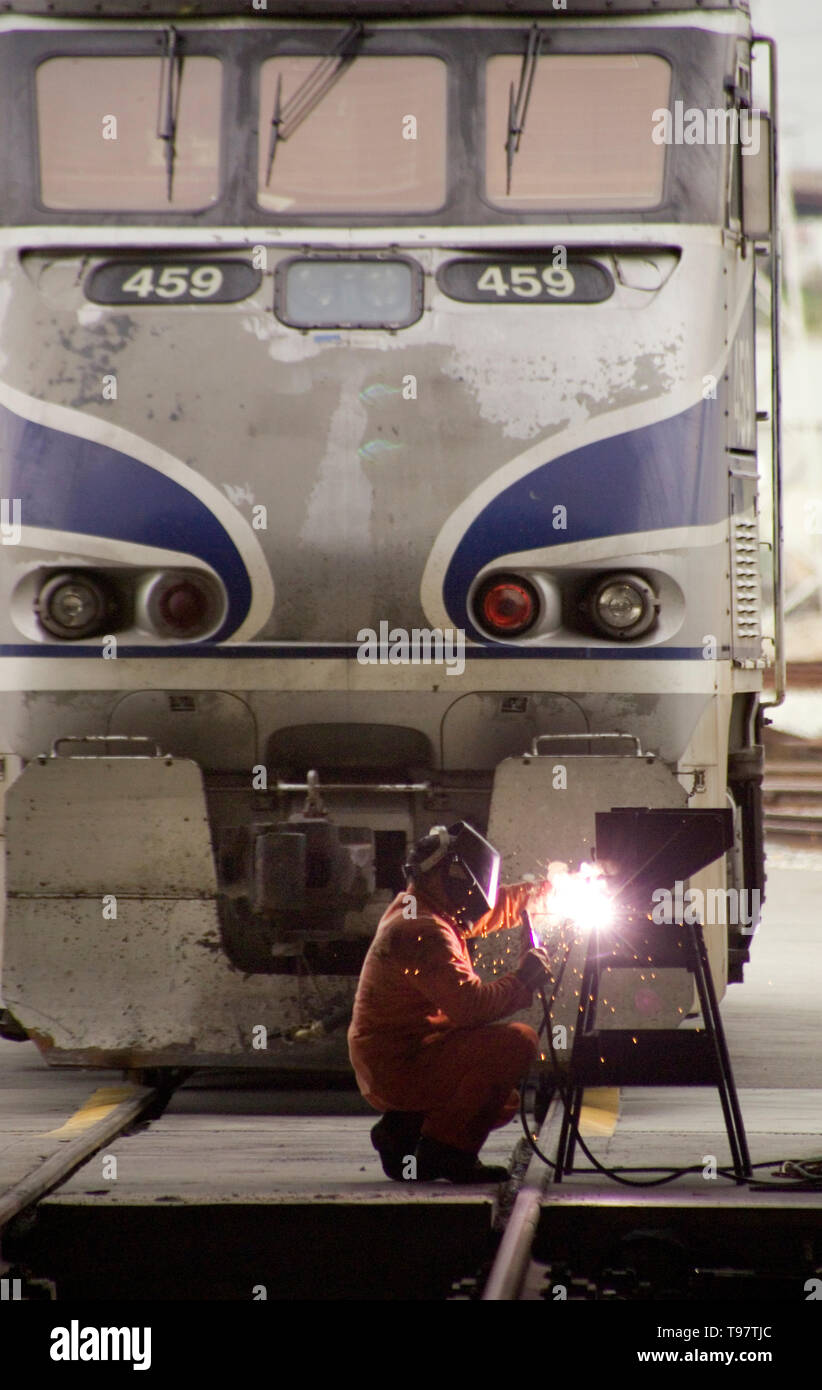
[(380, 430)]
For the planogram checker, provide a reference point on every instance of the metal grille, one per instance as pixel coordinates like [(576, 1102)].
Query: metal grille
[(745, 565)]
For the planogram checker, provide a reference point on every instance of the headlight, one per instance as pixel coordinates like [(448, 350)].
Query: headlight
[(73, 606), (506, 605), (622, 605), (339, 292)]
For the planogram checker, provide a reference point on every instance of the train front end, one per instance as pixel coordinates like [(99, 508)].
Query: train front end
[(380, 449)]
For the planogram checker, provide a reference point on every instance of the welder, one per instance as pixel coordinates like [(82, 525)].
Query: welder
[(425, 1041)]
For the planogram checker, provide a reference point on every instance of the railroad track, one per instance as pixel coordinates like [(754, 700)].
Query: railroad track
[(792, 793), (806, 824), (71, 1154), (586, 1240), (233, 1189), (517, 1272)]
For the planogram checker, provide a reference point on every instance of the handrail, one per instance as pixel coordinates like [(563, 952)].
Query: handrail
[(780, 681), (106, 738), (566, 738), (353, 786)]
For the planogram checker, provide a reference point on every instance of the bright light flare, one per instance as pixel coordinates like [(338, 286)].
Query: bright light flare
[(580, 899)]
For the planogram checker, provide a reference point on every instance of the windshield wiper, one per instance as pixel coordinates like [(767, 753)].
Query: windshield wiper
[(311, 91), (518, 105), (169, 103)]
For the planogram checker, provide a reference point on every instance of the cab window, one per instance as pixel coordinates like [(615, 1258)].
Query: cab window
[(375, 141), (99, 130), (587, 141)]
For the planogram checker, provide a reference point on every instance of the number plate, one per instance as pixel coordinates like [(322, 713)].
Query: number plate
[(172, 282), (527, 281)]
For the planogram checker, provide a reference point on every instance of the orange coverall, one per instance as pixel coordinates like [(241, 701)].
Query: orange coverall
[(420, 1037)]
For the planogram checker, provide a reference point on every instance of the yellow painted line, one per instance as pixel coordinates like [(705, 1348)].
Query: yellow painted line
[(600, 1112), (99, 1104)]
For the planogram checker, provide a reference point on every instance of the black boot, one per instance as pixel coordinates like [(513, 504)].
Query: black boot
[(395, 1138), (436, 1160)]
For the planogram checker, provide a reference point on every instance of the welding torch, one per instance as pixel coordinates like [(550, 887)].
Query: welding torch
[(535, 965)]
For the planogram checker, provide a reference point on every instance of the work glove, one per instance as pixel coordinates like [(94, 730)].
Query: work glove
[(534, 969)]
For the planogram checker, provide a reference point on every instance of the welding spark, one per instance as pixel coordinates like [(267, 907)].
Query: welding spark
[(580, 899)]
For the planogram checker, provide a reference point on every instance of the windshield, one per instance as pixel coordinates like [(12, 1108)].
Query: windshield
[(98, 123), (587, 139), (376, 141), (349, 134)]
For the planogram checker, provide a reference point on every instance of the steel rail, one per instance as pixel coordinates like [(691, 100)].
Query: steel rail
[(513, 1258), (72, 1155), (514, 1255)]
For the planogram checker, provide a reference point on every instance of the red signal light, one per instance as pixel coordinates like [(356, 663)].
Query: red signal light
[(178, 604), (184, 607), (507, 605)]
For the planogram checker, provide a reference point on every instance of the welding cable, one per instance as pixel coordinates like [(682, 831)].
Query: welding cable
[(526, 1129), (559, 1085), (545, 1027), (812, 1185), (669, 1174), (615, 1174), (809, 1169), (799, 1171), (805, 1180)]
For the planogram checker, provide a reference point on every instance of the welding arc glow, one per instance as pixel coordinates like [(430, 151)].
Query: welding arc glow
[(581, 898)]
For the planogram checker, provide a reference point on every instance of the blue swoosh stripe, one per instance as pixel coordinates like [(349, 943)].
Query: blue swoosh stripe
[(662, 475), (67, 483)]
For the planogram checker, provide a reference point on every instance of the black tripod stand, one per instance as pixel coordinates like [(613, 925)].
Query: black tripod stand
[(652, 1057), (673, 843)]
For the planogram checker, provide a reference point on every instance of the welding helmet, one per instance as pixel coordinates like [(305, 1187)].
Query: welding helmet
[(472, 869)]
